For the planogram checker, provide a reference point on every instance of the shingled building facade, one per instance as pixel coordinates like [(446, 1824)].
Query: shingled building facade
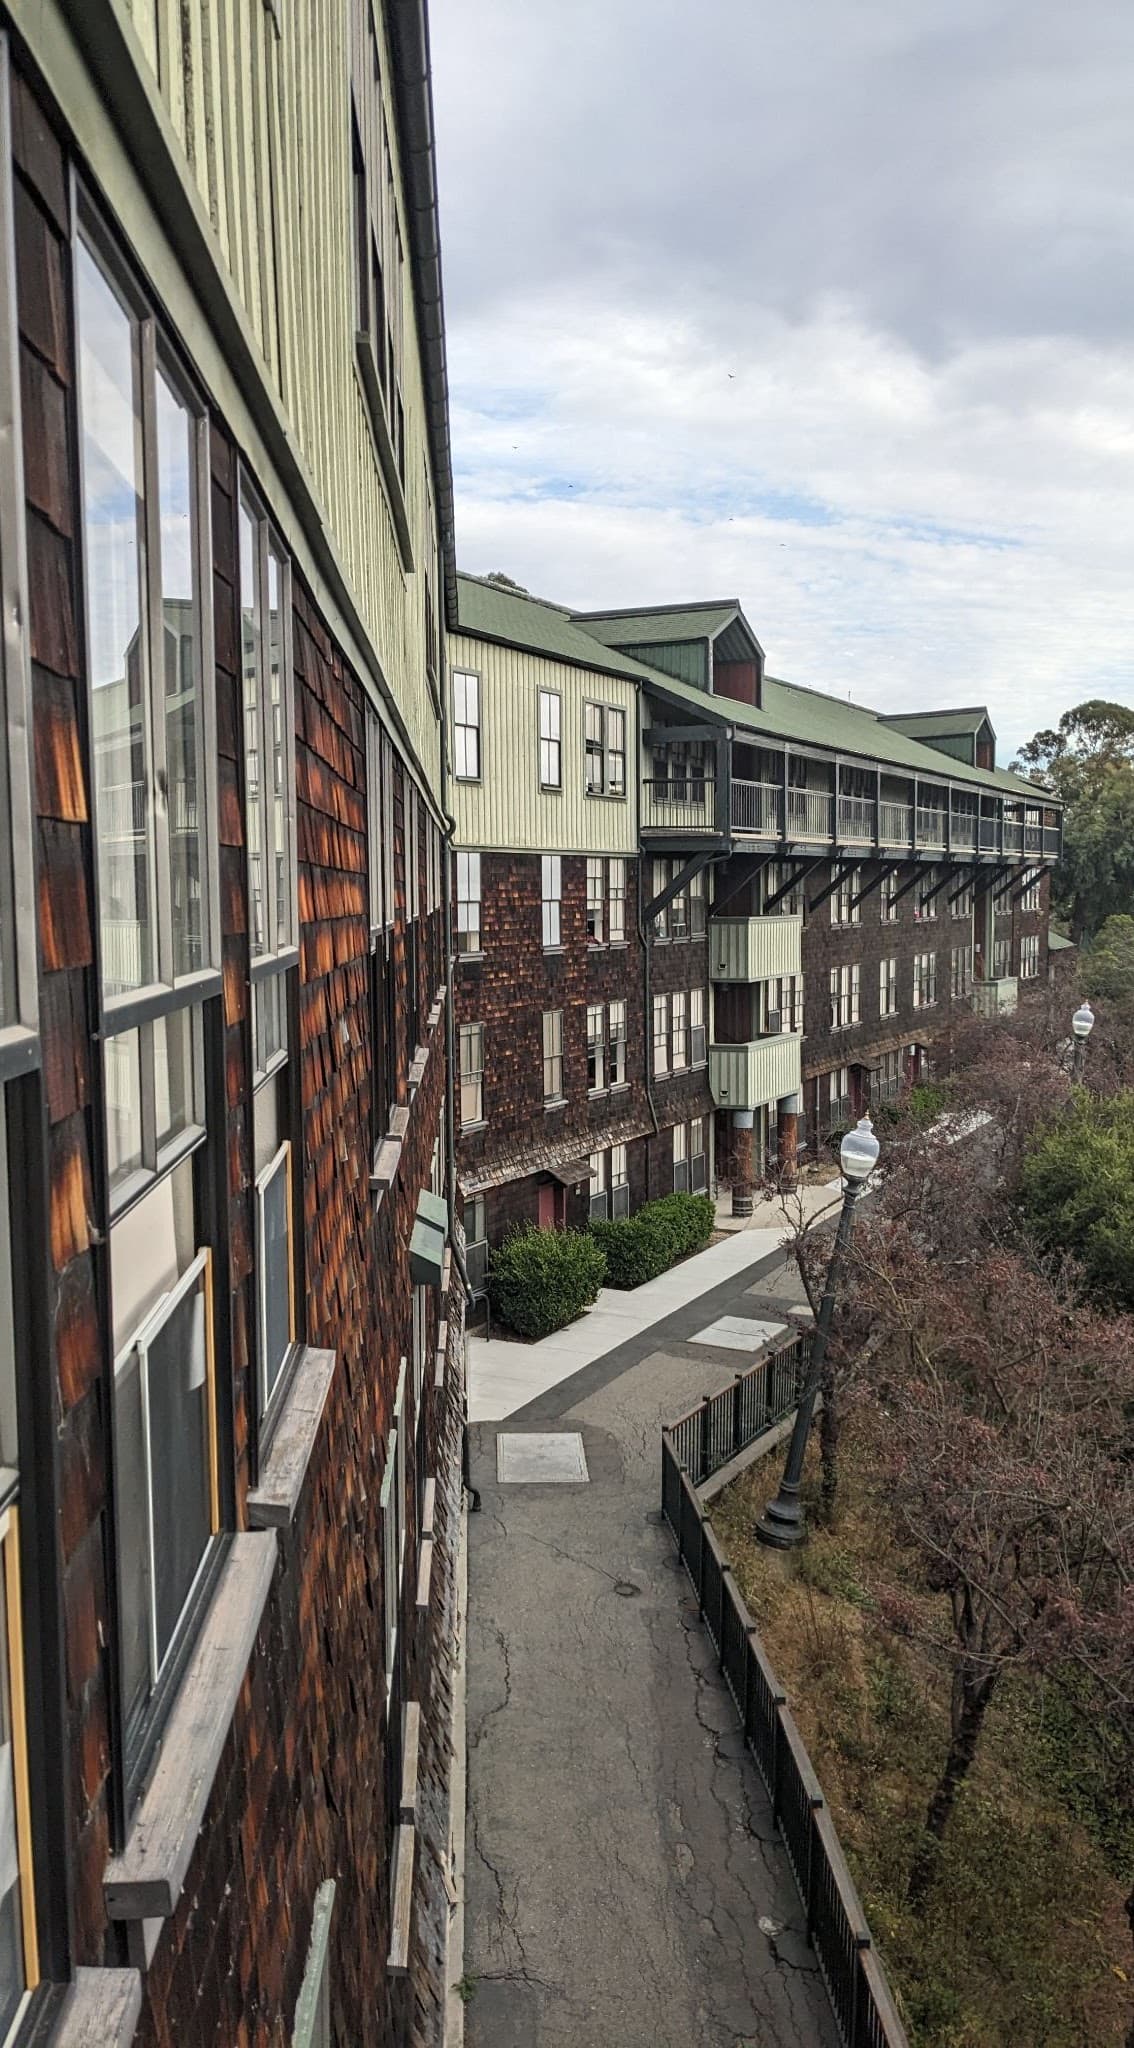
[(231, 1310), (704, 918)]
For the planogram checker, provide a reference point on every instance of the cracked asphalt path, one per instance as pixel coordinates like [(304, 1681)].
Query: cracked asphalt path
[(624, 1886)]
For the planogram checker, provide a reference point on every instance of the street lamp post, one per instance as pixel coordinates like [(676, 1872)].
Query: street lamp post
[(782, 1524), (1082, 1024)]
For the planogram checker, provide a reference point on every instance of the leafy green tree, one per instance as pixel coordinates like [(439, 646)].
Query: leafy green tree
[(1107, 968), (1088, 761), (1077, 1193)]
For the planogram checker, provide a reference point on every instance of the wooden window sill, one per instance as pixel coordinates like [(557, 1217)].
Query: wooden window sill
[(145, 1881), (100, 2009), (273, 1502)]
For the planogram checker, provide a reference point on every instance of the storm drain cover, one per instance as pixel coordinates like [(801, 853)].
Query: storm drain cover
[(551, 1459), (739, 1333)]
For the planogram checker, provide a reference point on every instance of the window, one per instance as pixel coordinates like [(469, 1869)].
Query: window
[(698, 1038), (550, 740), (379, 261), (961, 971), (1001, 959), (1030, 899), (599, 1201), (551, 888), (661, 1034), (927, 885), (838, 1098), (596, 1049), (466, 725), (697, 907), (845, 996), (616, 901), (680, 1159), (18, 983), (615, 752), (269, 725), (165, 1443), (593, 752), (679, 908), (155, 1086), (553, 1055), (698, 1170), (595, 900), (616, 1023), (925, 980), (774, 878), (472, 1075), (392, 1501), (476, 1243), (886, 1080), (887, 988), (888, 892), (312, 2024), (149, 620), (679, 1045), (1029, 955), (468, 903), (619, 1182), (961, 901), (381, 767), (604, 750), (789, 1001), (660, 872), (842, 911)]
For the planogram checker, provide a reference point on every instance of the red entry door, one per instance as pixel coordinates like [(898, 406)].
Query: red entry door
[(548, 1219)]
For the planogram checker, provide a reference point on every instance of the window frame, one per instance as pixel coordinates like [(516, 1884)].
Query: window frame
[(616, 888), (553, 1058), (888, 909), (679, 1031), (268, 543), (473, 1034), (596, 900), (550, 740), (472, 872), (599, 1186), (466, 725), (660, 1038), (594, 748), (19, 987), (596, 1049), (618, 1176), (269, 1399), (616, 1028), (888, 986), (392, 1504), (551, 901), (154, 353), (615, 785), (1029, 956)]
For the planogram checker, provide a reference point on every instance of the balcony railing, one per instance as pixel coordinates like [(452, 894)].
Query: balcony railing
[(686, 805), (754, 948), (895, 823), (1033, 838), (810, 814), (1013, 836), (856, 818), (988, 832), (757, 807), (963, 830), (996, 998), (930, 827), (1052, 840)]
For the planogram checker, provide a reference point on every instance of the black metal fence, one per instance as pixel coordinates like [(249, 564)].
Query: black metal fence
[(723, 1424), (836, 1925)]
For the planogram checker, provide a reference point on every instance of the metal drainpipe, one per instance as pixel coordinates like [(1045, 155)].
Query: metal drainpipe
[(647, 1004), (450, 966)]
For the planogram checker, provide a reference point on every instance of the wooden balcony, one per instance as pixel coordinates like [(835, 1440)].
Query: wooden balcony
[(996, 998), (757, 1073), (754, 948)]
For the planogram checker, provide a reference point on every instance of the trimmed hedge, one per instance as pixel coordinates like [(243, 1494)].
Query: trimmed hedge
[(638, 1248), (541, 1279)]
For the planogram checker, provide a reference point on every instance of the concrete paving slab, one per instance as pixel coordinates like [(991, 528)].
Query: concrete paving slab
[(739, 1333), (541, 1458)]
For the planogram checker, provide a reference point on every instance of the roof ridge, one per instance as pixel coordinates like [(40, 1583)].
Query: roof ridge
[(525, 596), (658, 611)]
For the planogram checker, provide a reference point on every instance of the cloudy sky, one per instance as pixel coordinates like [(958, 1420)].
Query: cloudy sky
[(827, 307)]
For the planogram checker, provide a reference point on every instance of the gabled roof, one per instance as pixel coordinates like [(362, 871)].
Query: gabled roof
[(660, 623), (789, 712), (949, 724)]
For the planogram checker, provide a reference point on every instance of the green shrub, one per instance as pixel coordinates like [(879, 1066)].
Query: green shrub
[(638, 1248), (541, 1279), (924, 1104), (1077, 1192)]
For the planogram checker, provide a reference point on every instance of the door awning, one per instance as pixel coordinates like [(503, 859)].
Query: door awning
[(571, 1172)]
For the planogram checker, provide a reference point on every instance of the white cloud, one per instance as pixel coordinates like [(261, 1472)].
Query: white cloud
[(846, 336)]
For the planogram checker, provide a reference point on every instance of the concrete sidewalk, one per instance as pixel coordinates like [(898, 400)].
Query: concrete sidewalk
[(624, 1885), (504, 1376)]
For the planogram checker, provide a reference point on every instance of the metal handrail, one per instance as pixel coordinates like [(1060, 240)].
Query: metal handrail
[(856, 817), (757, 807), (810, 814), (895, 823)]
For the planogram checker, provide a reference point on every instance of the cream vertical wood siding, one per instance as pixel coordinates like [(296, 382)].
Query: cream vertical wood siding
[(257, 93), (755, 948), (507, 810), (755, 1075)]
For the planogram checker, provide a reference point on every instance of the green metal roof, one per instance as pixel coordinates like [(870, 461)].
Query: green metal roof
[(789, 712), (947, 724), (660, 623)]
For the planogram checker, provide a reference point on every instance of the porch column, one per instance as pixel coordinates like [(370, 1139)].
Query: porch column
[(788, 1111), (743, 1141)]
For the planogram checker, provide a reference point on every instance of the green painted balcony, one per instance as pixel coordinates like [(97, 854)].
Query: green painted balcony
[(755, 948), (757, 1073)]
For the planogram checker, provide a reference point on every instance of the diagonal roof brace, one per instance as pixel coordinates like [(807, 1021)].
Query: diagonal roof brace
[(680, 881), (949, 876), (914, 879), (887, 867), (749, 865), (845, 869), (803, 869), (1024, 881)]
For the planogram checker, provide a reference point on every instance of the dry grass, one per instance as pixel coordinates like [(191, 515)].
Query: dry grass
[(1023, 1942)]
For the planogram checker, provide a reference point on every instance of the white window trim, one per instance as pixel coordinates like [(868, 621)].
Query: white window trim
[(18, 1043)]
